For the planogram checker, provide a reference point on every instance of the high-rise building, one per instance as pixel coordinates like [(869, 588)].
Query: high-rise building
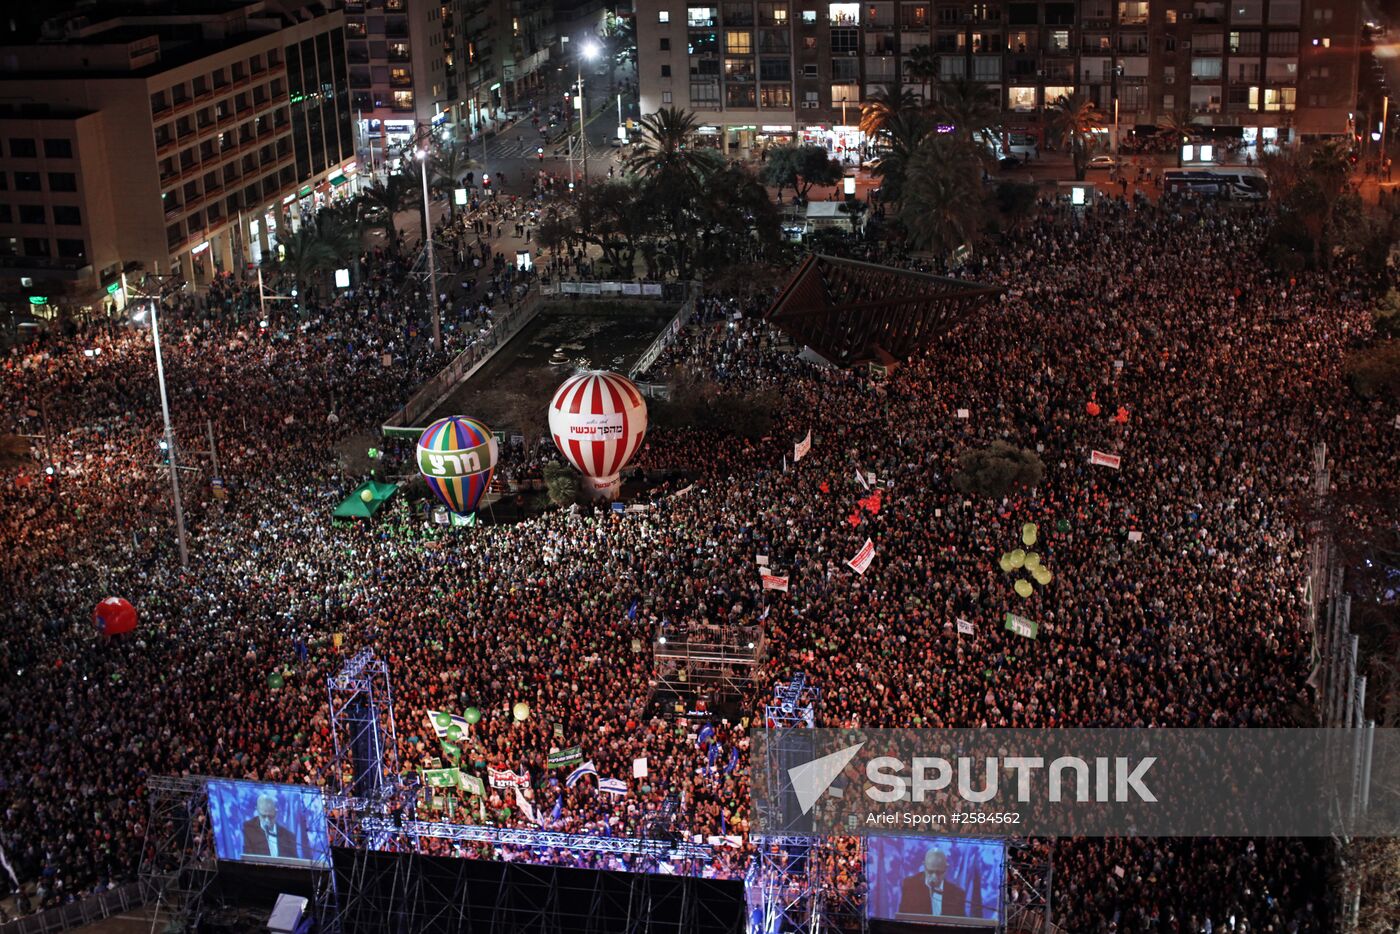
[(166, 141), (763, 71), (505, 47), (399, 52)]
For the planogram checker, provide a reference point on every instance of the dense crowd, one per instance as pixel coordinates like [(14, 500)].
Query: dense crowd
[(1229, 376)]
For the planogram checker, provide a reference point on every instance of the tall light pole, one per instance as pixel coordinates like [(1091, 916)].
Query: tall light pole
[(588, 51), (169, 436), (422, 154)]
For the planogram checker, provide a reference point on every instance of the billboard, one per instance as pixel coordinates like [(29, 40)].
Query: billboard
[(933, 879), (282, 825)]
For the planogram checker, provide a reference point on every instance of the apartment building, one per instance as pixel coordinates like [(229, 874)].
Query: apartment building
[(168, 142), (758, 72), (506, 47), (399, 52)]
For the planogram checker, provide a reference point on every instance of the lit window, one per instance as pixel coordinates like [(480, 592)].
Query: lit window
[(664, 16)]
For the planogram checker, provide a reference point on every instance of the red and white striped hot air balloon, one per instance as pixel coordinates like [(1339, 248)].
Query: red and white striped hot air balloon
[(598, 420)]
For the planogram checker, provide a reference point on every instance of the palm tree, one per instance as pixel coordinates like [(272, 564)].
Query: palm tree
[(614, 38), (883, 105), (942, 206), (1181, 128), (921, 65), (448, 164), (903, 134), (306, 257), (968, 106), (1075, 121), (389, 198), (663, 148)]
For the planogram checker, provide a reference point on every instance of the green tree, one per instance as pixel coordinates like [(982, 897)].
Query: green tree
[(780, 168), (450, 163), (883, 105), (735, 215), (561, 483), (14, 452), (305, 258), (997, 470), (941, 205), (921, 66), (1386, 315), (904, 132), (1178, 125), (663, 148), (812, 167), (1015, 201), (1374, 372), (386, 199), (968, 106), (1075, 122)]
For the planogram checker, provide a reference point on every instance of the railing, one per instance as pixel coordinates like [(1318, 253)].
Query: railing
[(85, 911), (668, 334), (464, 365)]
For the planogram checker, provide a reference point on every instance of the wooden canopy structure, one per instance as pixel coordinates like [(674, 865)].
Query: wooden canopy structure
[(847, 310)]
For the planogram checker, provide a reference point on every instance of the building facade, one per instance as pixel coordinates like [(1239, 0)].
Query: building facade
[(504, 51), (758, 72), (399, 52), (169, 143)]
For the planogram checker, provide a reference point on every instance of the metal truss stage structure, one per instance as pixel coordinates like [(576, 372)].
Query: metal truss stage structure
[(852, 312), (713, 662), (395, 874), (414, 893)]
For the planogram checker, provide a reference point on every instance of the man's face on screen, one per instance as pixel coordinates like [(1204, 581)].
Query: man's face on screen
[(935, 868), (267, 810)]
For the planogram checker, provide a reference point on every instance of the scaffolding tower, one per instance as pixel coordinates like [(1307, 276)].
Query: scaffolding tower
[(714, 662), (178, 861), (1027, 888)]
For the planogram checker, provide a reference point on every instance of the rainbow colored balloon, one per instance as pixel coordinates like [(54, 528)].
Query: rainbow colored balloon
[(457, 455)]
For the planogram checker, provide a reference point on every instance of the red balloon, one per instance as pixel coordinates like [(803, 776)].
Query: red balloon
[(1092, 408), (1122, 416), (114, 616)]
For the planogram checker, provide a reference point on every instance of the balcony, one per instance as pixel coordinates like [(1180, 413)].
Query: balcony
[(58, 268)]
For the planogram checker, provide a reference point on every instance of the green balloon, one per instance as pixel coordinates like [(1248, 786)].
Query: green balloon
[(1062, 525), (473, 715), (442, 721), (275, 681), (454, 732)]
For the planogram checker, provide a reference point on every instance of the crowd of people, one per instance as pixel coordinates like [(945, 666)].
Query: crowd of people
[(1229, 376)]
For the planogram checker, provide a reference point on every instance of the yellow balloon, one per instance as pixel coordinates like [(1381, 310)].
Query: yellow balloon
[(1028, 533), (366, 495), (1042, 576), (1023, 587), (1032, 561), (1017, 558), (521, 711), (1005, 562)]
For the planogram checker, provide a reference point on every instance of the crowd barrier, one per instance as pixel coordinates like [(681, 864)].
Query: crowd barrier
[(84, 911), (466, 363)]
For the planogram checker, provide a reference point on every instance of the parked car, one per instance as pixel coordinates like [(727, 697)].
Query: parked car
[(1102, 162), (1010, 162)]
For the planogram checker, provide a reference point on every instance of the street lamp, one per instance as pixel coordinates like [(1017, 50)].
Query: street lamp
[(169, 432), (422, 155), (589, 51)]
